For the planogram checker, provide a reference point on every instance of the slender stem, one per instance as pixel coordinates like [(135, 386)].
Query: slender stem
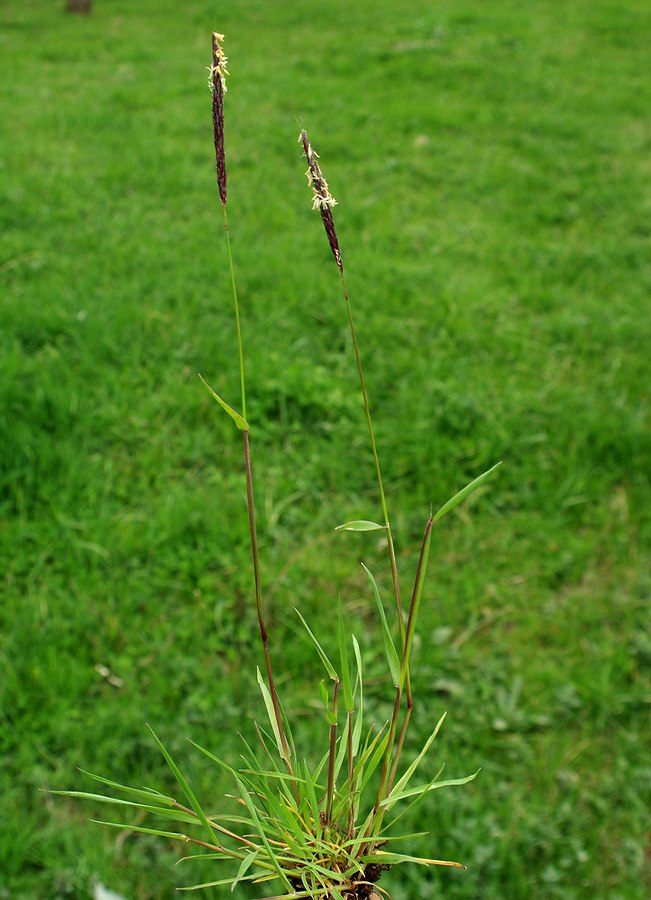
[(387, 777), (378, 472), (331, 758), (258, 601), (417, 594), (251, 511), (240, 348), (367, 409), (387, 756), (401, 741)]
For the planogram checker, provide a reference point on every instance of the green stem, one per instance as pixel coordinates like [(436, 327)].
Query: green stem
[(240, 348), (258, 600), (367, 409), (251, 511), (378, 472)]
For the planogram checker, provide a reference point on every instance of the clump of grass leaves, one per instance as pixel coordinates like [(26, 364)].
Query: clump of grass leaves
[(326, 831)]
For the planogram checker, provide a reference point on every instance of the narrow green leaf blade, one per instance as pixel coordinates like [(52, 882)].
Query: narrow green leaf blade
[(187, 790), (426, 788), (311, 796), (393, 859), (416, 597), (404, 781), (123, 826), (389, 647), (359, 720), (241, 423), (165, 812), (374, 759), (349, 702), (271, 715), (244, 868), (220, 883), (143, 793), (360, 525), (461, 495), (324, 659), (273, 857)]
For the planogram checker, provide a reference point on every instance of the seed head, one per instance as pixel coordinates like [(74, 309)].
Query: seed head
[(322, 199), (321, 196), (217, 84)]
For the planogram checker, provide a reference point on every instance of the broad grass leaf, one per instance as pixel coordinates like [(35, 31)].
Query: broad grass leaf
[(461, 495), (360, 525)]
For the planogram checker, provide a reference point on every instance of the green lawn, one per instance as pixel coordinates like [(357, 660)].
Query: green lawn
[(491, 163)]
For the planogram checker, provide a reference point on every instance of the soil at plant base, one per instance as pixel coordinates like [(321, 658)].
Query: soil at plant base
[(365, 891)]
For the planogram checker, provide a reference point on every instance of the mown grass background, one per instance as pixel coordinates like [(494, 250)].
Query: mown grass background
[(491, 162)]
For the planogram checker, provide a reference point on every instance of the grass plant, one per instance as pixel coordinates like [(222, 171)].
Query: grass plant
[(500, 289), (310, 829)]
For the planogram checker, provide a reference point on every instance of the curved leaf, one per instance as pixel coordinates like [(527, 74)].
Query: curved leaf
[(464, 492), (241, 423), (360, 525)]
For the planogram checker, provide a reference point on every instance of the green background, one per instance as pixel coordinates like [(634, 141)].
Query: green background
[(491, 163)]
